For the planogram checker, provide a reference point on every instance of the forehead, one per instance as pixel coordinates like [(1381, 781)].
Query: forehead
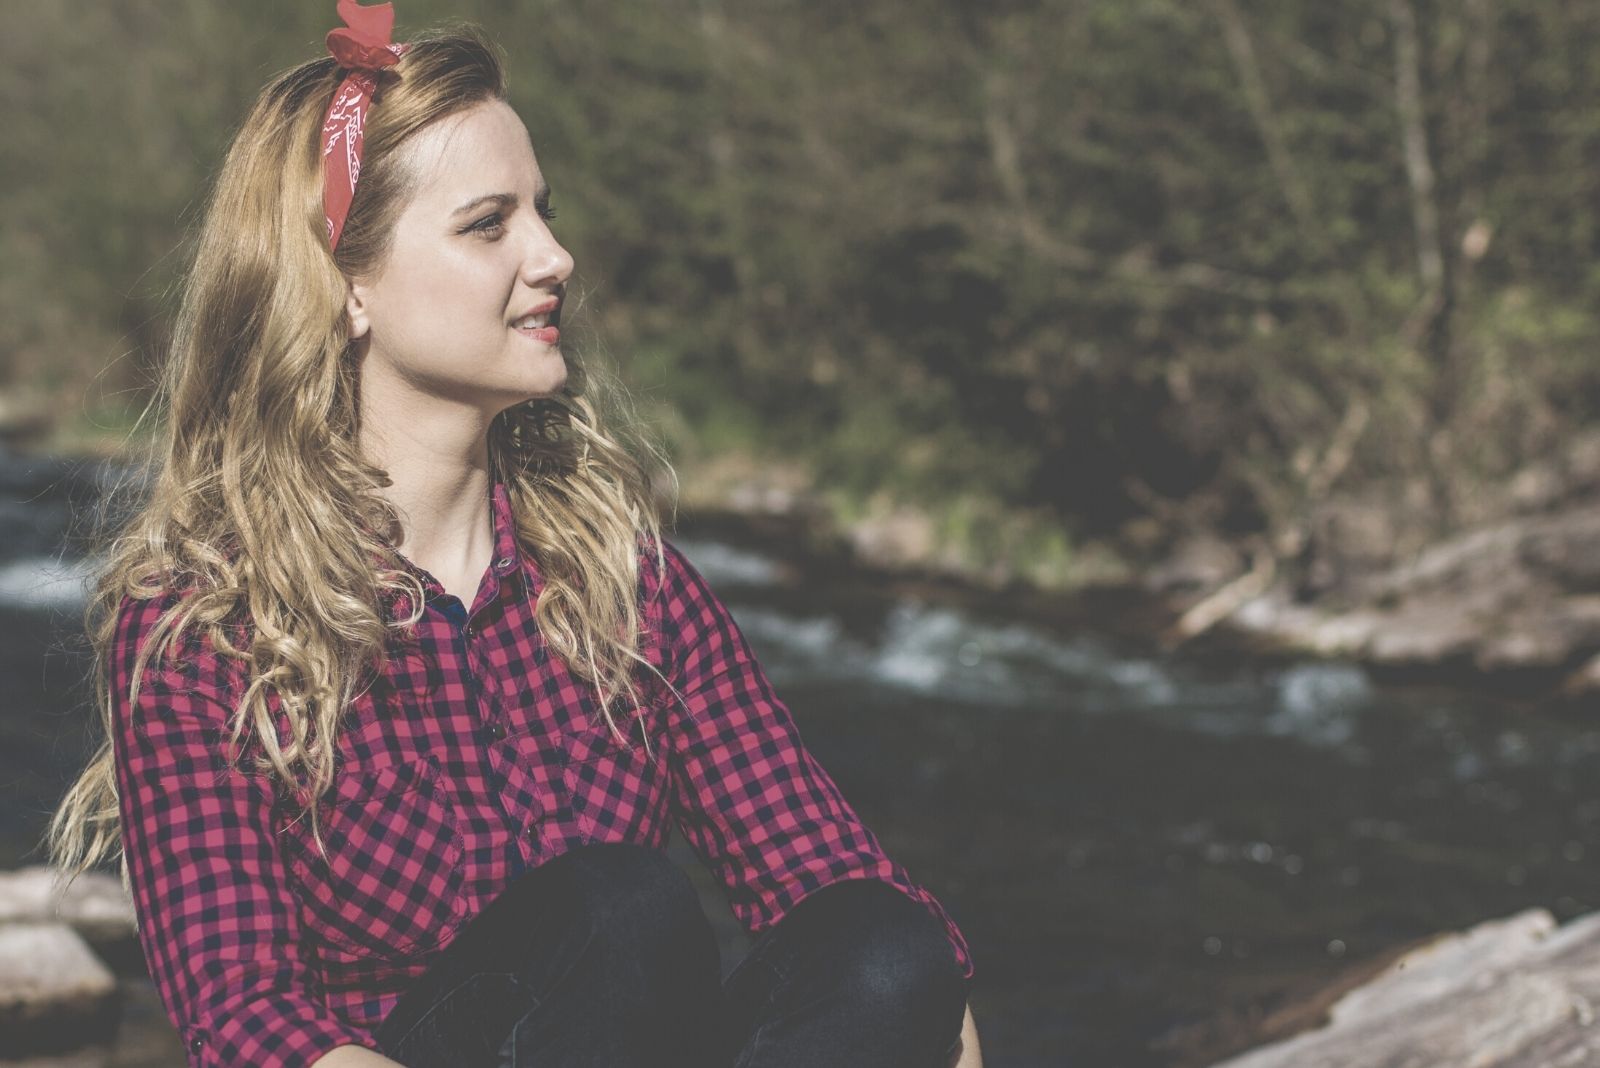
[(481, 150)]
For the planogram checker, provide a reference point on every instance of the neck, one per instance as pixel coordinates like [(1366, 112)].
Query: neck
[(445, 524), (437, 461)]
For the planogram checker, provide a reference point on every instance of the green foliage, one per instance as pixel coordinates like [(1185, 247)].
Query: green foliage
[(1077, 258)]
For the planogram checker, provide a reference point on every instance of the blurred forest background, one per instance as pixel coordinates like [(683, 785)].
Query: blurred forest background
[(1071, 279)]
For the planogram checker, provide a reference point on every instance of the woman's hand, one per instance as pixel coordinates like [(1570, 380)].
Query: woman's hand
[(359, 1057)]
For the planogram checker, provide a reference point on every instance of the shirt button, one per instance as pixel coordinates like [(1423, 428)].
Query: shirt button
[(196, 1045), (496, 731), (531, 833), (504, 562), (469, 630)]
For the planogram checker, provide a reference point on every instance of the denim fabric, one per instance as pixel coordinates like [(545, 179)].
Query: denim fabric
[(602, 957)]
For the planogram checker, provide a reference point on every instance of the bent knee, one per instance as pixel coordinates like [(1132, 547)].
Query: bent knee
[(896, 961), (907, 972)]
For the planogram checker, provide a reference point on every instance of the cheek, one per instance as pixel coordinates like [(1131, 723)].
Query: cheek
[(447, 298), (478, 284)]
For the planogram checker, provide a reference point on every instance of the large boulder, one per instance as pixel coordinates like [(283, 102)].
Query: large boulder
[(92, 1057), (95, 905), (1519, 992), (1522, 594), (55, 994)]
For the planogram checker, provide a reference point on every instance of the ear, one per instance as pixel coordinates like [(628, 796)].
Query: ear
[(355, 307)]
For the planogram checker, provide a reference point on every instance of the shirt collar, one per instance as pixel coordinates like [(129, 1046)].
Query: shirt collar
[(507, 552), (508, 556)]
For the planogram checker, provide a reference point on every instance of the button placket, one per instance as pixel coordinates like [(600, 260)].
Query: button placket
[(488, 708)]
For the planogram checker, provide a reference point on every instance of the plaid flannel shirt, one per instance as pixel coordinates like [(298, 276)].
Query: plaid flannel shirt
[(474, 757)]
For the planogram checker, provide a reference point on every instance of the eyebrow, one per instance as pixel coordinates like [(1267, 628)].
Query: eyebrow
[(504, 200)]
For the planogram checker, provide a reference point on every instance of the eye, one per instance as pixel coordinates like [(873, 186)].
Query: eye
[(492, 223)]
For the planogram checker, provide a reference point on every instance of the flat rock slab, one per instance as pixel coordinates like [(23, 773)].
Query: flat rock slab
[(95, 904), (95, 1057), (1515, 594), (1517, 992), (55, 994)]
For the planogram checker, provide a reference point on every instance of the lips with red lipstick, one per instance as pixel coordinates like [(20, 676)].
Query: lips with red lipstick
[(539, 322)]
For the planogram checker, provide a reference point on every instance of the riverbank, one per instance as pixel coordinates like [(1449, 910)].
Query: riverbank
[(1508, 597), (1511, 600)]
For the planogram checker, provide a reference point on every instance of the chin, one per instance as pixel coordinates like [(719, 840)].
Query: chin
[(553, 387)]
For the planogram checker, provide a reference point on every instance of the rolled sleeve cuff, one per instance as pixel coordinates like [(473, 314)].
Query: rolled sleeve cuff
[(282, 1033), (958, 942)]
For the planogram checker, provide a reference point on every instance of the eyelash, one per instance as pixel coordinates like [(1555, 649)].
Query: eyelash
[(482, 225)]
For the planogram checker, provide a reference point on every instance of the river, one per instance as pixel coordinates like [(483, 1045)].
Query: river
[(1147, 853)]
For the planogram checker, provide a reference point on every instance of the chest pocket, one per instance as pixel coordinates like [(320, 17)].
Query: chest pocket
[(391, 884), (619, 794)]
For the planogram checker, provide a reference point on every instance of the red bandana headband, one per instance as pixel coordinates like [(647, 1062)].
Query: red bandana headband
[(363, 48)]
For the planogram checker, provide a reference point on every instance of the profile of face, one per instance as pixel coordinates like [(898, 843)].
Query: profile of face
[(463, 310)]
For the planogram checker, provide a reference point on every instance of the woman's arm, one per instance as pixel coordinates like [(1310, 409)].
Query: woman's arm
[(752, 802), (968, 1055), (217, 920)]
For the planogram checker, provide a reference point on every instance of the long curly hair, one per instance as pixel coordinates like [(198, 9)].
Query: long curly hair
[(259, 507)]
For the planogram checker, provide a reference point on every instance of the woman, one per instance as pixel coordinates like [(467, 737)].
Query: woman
[(402, 687)]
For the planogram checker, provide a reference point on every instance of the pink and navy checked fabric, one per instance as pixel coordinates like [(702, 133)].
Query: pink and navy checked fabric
[(472, 758)]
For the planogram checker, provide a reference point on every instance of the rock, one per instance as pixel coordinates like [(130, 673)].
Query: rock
[(1516, 992), (1584, 681), (1535, 487), (93, 1057), (1516, 595), (55, 994), (1542, 634), (94, 905), (1349, 535), (1571, 474), (893, 537), (1581, 461), (1200, 561), (1305, 627), (1424, 631), (1568, 548)]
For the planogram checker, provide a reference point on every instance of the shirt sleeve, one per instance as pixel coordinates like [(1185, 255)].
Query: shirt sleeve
[(216, 920), (750, 799)]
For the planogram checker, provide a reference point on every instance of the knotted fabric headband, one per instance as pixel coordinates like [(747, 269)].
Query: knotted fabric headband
[(362, 47)]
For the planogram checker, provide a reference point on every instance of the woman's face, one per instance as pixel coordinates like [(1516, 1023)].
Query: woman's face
[(472, 256)]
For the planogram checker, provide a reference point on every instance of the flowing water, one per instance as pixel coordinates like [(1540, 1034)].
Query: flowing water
[(1147, 853)]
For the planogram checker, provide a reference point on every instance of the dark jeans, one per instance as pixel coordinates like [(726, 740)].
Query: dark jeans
[(603, 957)]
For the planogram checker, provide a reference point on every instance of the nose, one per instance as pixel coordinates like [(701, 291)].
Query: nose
[(547, 262)]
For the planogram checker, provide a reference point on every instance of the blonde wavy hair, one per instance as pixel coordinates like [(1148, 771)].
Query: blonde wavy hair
[(260, 507)]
